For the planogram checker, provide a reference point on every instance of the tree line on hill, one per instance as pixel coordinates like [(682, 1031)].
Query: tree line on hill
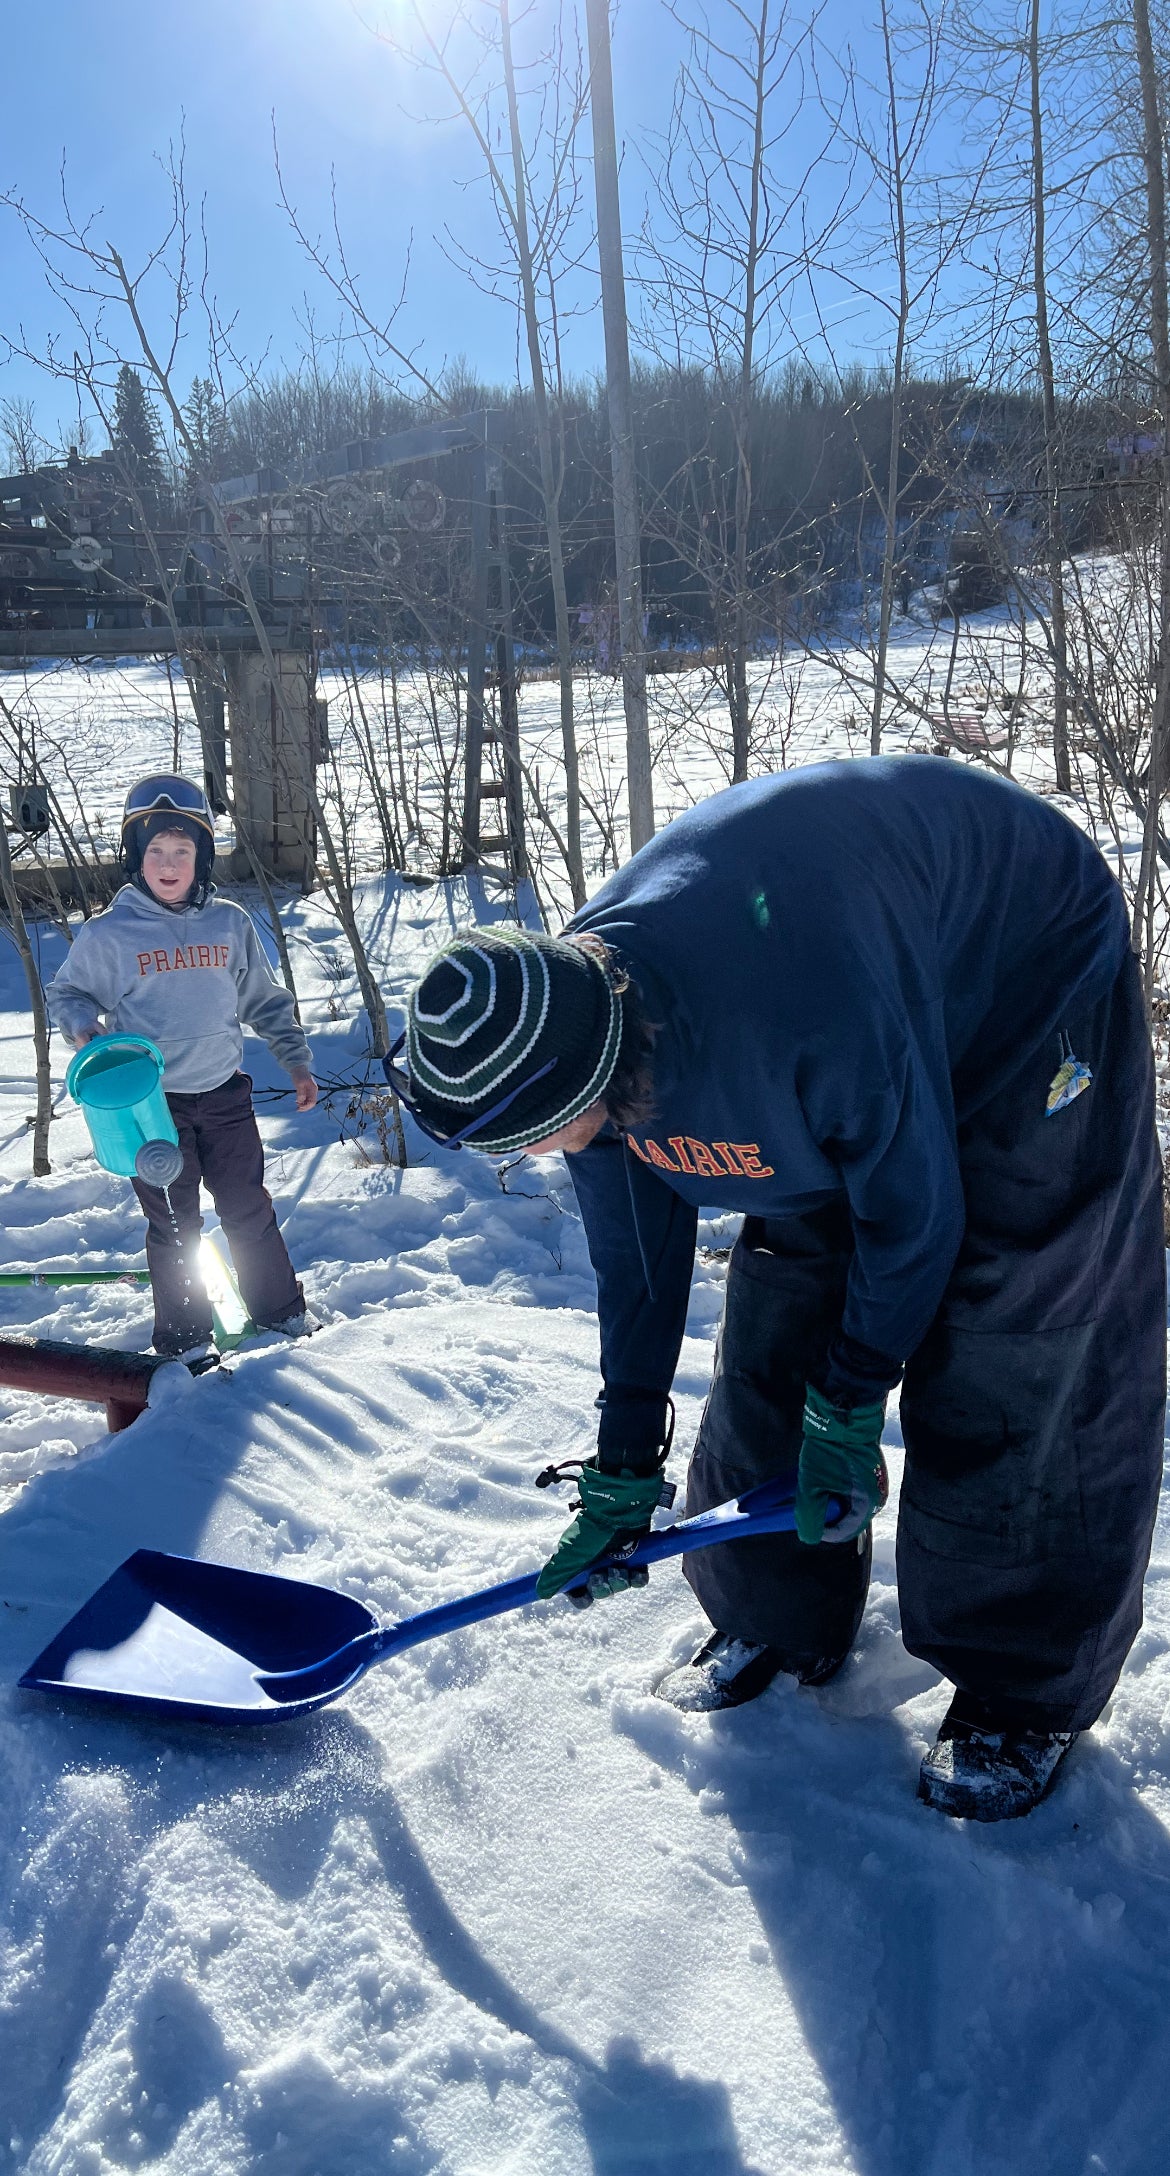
[(971, 504)]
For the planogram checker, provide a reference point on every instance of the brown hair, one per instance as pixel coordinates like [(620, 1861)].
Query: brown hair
[(629, 1093)]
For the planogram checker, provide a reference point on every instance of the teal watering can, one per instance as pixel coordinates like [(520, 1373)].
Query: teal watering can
[(117, 1081)]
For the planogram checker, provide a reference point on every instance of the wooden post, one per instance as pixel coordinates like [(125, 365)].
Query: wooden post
[(273, 733)]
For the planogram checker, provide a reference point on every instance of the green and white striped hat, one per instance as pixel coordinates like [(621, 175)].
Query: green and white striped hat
[(492, 1012)]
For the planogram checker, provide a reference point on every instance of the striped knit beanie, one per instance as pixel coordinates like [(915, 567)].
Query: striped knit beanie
[(494, 1008)]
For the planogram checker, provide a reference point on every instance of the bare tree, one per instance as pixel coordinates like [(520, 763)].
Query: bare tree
[(26, 447), (1055, 523), (904, 223), (1154, 150), (1026, 93), (472, 54), (13, 918), (723, 247), (626, 522), (92, 278)]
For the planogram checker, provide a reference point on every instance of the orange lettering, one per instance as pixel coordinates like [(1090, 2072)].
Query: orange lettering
[(748, 1153), (723, 1159)]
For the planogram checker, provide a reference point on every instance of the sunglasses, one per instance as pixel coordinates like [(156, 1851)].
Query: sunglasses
[(400, 1082)]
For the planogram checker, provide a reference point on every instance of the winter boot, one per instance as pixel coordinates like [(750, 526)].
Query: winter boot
[(989, 1767), (725, 1672), (197, 1356), (202, 1361), (301, 1324)]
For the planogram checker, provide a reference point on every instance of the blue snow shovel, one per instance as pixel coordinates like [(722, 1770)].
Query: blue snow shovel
[(217, 1645)]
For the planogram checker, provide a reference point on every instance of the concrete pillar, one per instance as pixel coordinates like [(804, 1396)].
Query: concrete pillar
[(274, 739), (208, 698)]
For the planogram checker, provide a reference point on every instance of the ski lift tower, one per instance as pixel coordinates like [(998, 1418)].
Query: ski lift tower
[(86, 572), (348, 494)]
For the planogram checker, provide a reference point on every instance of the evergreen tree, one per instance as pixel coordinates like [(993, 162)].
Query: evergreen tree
[(207, 422), (135, 436)]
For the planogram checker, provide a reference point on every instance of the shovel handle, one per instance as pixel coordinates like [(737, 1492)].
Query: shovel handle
[(765, 1510)]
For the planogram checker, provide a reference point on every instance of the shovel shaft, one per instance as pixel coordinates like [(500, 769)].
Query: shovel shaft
[(728, 1522), (766, 1510)]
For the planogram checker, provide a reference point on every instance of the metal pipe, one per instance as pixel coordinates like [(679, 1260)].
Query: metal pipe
[(118, 1380)]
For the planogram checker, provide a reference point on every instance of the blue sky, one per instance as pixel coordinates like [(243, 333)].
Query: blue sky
[(110, 85)]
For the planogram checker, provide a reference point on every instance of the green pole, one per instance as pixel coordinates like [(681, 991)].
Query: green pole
[(230, 1319), (74, 1276)]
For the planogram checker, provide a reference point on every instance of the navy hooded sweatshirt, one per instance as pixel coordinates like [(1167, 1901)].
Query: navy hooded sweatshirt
[(844, 963)]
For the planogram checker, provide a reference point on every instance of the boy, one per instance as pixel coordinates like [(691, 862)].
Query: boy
[(171, 961)]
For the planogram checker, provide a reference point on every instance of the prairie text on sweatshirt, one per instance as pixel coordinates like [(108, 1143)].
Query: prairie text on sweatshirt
[(190, 979)]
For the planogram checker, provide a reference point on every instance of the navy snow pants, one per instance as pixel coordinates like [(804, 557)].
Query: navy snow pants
[(221, 1145), (1032, 1413)]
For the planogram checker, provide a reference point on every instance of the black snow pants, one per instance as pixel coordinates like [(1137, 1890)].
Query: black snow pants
[(1032, 1413), (221, 1145)]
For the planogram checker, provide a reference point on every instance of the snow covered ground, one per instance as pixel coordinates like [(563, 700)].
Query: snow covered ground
[(498, 1912), (94, 729)]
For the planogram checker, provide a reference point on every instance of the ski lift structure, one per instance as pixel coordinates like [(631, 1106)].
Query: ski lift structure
[(87, 570)]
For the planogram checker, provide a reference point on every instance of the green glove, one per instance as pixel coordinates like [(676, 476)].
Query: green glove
[(615, 1508), (840, 1456)]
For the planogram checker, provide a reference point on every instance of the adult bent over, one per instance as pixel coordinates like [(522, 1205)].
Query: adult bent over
[(888, 1010)]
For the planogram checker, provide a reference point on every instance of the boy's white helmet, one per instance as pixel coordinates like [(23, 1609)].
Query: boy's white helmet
[(164, 802), (164, 792)]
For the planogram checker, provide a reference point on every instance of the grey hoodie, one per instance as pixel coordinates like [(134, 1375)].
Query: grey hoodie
[(187, 978)]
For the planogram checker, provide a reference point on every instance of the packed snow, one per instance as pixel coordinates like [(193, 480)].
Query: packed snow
[(498, 1912)]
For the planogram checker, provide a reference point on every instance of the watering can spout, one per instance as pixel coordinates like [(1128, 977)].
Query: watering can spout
[(159, 1163)]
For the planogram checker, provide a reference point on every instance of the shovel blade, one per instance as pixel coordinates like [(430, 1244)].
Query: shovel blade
[(182, 1637)]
